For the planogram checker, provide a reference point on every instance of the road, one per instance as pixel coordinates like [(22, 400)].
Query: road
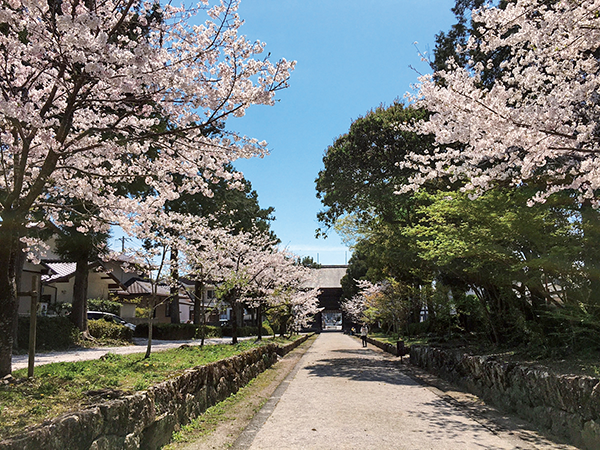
[(20, 361), (343, 396)]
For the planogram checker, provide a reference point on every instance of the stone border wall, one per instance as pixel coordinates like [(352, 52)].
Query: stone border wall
[(147, 419), (566, 405), (386, 347), (284, 350)]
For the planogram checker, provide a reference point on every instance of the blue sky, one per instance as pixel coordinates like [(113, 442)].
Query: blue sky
[(352, 56)]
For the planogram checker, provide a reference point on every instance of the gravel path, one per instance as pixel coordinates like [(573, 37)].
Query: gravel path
[(20, 361), (343, 396)]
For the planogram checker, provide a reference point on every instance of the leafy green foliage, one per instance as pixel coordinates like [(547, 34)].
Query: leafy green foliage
[(53, 333), (231, 207), (177, 331), (308, 261), (361, 175), (492, 265), (107, 331), (108, 306)]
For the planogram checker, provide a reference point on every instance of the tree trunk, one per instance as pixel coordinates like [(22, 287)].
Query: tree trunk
[(198, 301), (9, 245), (150, 322), (80, 287), (259, 322), (174, 304), (199, 313), (20, 262), (234, 320), (240, 314), (203, 322), (495, 338)]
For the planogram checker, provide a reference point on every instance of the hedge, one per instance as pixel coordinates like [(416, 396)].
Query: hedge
[(186, 331), (103, 329), (176, 331), (53, 333), (248, 331), (108, 306)]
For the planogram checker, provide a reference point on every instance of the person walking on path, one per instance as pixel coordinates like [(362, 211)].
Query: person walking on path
[(363, 334)]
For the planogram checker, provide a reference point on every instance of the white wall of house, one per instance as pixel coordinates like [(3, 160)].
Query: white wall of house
[(64, 291), (185, 311), (98, 285), (127, 310), (29, 270)]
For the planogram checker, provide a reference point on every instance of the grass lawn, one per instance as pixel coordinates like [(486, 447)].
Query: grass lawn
[(392, 339), (61, 387)]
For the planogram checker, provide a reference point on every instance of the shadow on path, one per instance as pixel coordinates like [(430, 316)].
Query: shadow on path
[(365, 366)]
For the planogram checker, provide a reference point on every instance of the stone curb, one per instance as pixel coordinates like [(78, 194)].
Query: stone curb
[(147, 419), (566, 405)]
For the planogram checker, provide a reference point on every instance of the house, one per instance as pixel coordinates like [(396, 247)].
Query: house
[(57, 278), (138, 293)]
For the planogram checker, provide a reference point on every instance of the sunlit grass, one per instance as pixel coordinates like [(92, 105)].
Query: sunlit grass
[(61, 387)]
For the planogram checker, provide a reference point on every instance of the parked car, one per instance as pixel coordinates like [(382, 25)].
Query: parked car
[(97, 315)]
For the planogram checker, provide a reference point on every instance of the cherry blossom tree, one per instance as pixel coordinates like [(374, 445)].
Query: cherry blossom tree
[(248, 270), (281, 285), (166, 234), (356, 306), (152, 262), (538, 119), (304, 306), (251, 269), (97, 94)]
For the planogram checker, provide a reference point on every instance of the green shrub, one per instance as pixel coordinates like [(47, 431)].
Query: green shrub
[(267, 329), (415, 329), (176, 332), (60, 309), (142, 312), (247, 331), (168, 331), (185, 331), (104, 330), (108, 306), (53, 333), (210, 332)]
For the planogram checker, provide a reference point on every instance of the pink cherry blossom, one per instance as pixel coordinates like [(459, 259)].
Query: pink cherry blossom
[(538, 120)]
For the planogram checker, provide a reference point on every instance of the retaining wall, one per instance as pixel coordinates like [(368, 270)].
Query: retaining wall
[(386, 347), (147, 419), (566, 405)]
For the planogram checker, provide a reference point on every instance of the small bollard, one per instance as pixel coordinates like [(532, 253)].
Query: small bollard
[(400, 349)]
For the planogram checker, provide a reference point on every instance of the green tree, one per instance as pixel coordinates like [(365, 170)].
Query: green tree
[(358, 189), (81, 248), (521, 261), (361, 175)]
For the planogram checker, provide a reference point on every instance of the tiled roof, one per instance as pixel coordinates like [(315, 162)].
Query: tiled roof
[(327, 277), (140, 287), (59, 270)]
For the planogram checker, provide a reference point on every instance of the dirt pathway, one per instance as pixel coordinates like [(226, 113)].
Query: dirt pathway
[(345, 397)]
